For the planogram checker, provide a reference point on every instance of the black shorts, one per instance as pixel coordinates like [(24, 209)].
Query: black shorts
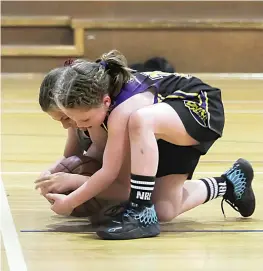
[(203, 135), (175, 159)]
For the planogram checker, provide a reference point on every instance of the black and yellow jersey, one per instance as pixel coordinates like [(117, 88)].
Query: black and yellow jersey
[(202, 100)]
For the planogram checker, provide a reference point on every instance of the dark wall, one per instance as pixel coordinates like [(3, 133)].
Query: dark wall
[(37, 35), (137, 9), (189, 50)]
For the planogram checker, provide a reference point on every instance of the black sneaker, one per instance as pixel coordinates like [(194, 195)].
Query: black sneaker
[(239, 194), (132, 223), (106, 215)]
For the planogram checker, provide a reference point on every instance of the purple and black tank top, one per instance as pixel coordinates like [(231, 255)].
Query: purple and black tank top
[(203, 101)]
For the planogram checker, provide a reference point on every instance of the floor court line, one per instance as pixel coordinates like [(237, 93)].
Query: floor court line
[(17, 101), (38, 172), (29, 111), (178, 231), (211, 75), (14, 254)]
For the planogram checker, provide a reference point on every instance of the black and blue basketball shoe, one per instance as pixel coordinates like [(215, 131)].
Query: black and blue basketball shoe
[(239, 194), (132, 222)]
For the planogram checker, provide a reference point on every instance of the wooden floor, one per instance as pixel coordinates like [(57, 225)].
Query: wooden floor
[(200, 239)]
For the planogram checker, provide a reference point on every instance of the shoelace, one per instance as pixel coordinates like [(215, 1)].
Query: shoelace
[(230, 203)]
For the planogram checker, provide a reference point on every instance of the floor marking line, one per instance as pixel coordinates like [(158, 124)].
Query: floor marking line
[(14, 254)]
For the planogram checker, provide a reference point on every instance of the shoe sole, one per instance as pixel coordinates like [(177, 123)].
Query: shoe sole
[(137, 233), (252, 198)]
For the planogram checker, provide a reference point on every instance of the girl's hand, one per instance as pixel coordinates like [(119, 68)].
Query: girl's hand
[(59, 204), (56, 183)]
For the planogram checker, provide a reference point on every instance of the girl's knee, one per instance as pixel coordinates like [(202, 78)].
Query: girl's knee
[(166, 211), (136, 121), (140, 120)]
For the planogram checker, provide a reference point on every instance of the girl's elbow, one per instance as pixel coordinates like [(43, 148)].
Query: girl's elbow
[(111, 175)]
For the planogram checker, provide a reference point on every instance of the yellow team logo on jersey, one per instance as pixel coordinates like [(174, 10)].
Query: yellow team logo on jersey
[(199, 110)]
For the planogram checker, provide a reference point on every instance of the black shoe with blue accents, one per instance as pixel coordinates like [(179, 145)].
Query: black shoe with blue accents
[(239, 194), (132, 223)]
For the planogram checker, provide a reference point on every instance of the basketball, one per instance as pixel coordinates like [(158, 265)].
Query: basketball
[(86, 166)]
